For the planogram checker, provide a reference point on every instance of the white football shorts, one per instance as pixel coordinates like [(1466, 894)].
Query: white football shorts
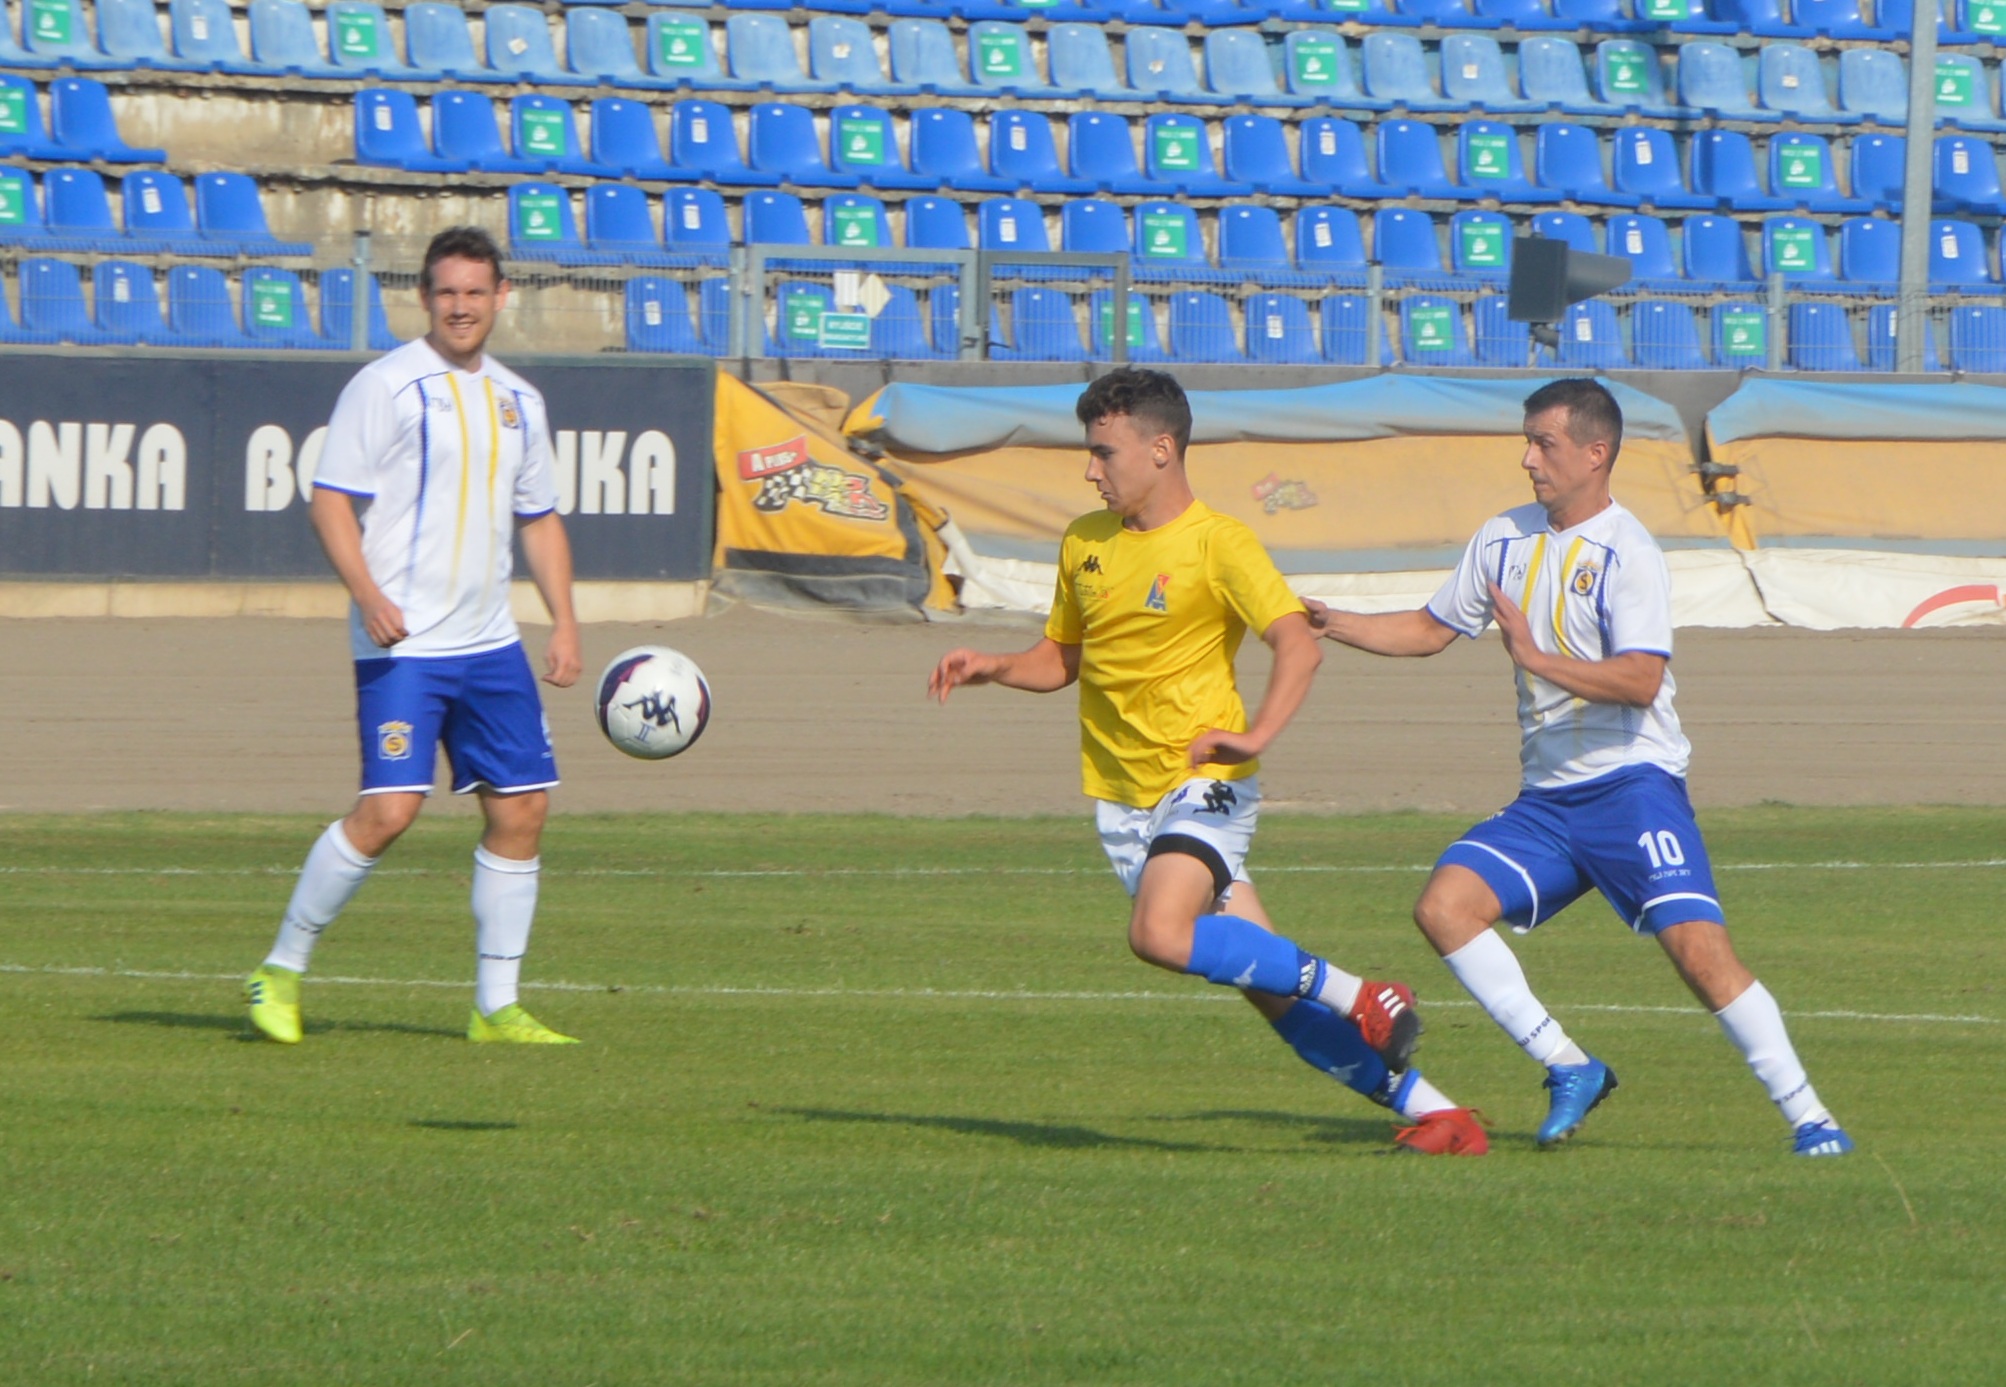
[(1211, 820)]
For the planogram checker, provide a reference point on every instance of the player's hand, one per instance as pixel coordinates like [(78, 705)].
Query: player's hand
[(958, 667), (1319, 614), (562, 660), (1218, 747), (1515, 629), (383, 621)]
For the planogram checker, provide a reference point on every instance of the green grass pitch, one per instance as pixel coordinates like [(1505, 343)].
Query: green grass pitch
[(866, 1100)]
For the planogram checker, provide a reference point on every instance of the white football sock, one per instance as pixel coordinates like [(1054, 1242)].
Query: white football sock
[(1754, 1023), (504, 906), (1340, 989), (334, 871), (1423, 1098), (1489, 971)]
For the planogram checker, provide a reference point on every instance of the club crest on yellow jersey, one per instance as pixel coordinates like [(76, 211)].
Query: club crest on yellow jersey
[(393, 741)]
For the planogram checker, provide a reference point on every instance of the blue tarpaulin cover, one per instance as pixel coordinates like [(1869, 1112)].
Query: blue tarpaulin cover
[(1813, 409)]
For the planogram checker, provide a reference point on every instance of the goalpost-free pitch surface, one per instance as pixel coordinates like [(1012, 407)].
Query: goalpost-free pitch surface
[(871, 1099)]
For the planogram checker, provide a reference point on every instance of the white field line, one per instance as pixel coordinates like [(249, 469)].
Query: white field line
[(763, 872), (915, 993)]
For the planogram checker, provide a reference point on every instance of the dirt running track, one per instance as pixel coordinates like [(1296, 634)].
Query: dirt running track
[(256, 714)]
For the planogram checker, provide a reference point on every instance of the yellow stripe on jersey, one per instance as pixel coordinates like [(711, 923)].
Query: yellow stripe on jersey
[(1532, 574), (494, 467), (1560, 599), (466, 448)]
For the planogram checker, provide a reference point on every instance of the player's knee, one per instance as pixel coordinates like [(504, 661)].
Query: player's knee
[(1447, 923), (1157, 940), (380, 820)]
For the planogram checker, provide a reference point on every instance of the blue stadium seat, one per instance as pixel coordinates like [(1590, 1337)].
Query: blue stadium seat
[(1144, 347), (1473, 73), (275, 312), (863, 145), (760, 49), (1979, 20), (1874, 83), (1257, 154), (620, 226), (943, 308), (519, 46), (128, 304), (1803, 171), (898, 330), (337, 311), (1333, 154), (1879, 167), (936, 223), (775, 219), (55, 30), (1081, 61), (797, 319), (1011, 224), (658, 317), (543, 133), (282, 40), (703, 139), (1480, 244), (1022, 150), (681, 53), (1094, 226), (1431, 332), (1870, 252), (1552, 77), (1569, 227), (1410, 159), (1330, 245), (1629, 75), (1717, 253), (1690, 16), (1603, 16), (1883, 324), (1977, 338), (1346, 322), (1665, 336), (1250, 240), (624, 141), (944, 149), (389, 135), (694, 224), (1168, 243), (1405, 246), (1526, 16), (598, 44), (855, 221), (1591, 338), (78, 214), (1966, 176), (1280, 331), (1740, 336), (923, 57), (129, 34), (1490, 164), (1396, 69), (1721, 165), (205, 35), (1964, 94), (157, 215), (81, 122), (21, 223), (1647, 244), (52, 303), (1959, 262), (1000, 59), (1495, 340), (1043, 327), (439, 39), (541, 226), (22, 135), (1159, 66), (1567, 159), (842, 54), (1762, 18), (781, 139), (1821, 338), (1796, 248), (359, 42), (228, 210), (1711, 79), (1238, 64), (1201, 328), (1102, 154), (1841, 19), (1790, 81), (200, 312), (464, 131), (1445, 14), (1177, 152), (1317, 65)]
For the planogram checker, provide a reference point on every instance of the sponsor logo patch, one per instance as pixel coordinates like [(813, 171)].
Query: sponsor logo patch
[(1276, 493), (1159, 594), (755, 463), (393, 741), (847, 494)]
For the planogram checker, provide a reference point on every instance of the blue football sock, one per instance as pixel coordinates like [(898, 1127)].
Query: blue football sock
[(1328, 1042), (1238, 953)]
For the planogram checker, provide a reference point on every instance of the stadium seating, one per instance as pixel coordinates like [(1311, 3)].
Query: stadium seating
[(1410, 160), (1803, 171), (1349, 331), (1317, 65), (81, 121), (1094, 226), (1630, 75), (1873, 83), (943, 148), (1882, 339), (1647, 243), (598, 44), (1480, 245), (1821, 338), (1878, 169), (703, 139), (1489, 164), (22, 135), (360, 43), (1977, 338), (681, 53), (205, 36), (1330, 245), (1396, 69), (1551, 75), (625, 143), (1237, 65), (439, 39), (1495, 340), (658, 317), (388, 134), (936, 223), (1790, 81), (1570, 227), (923, 57), (129, 34), (1716, 253), (781, 140), (1796, 248), (542, 131), (542, 227), (1646, 165), (337, 311), (1966, 177), (1722, 166), (694, 225), (127, 305), (1144, 347), (1432, 332), (520, 47), (1022, 150), (1257, 154), (157, 216), (1740, 336), (1251, 241), (1012, 224), (843, 54), (465, 131), (620, 226), (1333, 154), (1082, 61), (52, 303), (78, 214), (200, 310), (1168, 242), (1665, 336), (775, 219), (1043, 327), (1177, 153), (1591, 338), (283, 41), (864, 146), (1959, 261), (1160, 66), (20, 209), (55, 31), (1406, 250), (1474, 74), (1870, 252), (1567, 161)]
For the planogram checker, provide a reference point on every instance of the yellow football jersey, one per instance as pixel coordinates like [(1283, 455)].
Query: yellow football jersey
[(1158, 616)]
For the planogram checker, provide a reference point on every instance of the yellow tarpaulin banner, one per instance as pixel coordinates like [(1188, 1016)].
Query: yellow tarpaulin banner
[(1912, 489)]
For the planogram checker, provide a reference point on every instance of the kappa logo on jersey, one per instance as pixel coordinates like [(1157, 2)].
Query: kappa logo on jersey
[(439, 404), (1092, 565), (755, 463), (847, 494), (393, 741), (1159, 594), (1584, 579), (1219, 798), (511, 417)]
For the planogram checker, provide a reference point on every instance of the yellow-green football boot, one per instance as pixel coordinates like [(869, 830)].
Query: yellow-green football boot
[(511, 1025), (273, 995)]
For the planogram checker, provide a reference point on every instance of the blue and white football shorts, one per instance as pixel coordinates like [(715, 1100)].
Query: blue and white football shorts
[(1211, 820), (1629, 834), (484, 708)]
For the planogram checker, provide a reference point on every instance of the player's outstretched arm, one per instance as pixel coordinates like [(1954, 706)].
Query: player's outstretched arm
[(1381, 633), (1632, 678), (1297, 656), (332, 514), (548, 553), (1045, 668)]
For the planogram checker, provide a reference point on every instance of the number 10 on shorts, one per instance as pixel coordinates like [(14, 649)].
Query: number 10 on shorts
[(1662, 848)]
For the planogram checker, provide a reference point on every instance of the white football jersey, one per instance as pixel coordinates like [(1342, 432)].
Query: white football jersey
[(1597, 590), (449, 461)]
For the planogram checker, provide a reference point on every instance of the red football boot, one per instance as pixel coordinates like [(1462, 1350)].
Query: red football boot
[(1384, 1013), (1445, 1132)]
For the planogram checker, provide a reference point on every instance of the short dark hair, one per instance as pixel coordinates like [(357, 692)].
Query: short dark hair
[(1151, 398), (1593, 416), (461, 243)]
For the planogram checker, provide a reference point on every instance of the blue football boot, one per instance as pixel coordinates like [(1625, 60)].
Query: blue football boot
[(1576, 1089), (1823, 1138)]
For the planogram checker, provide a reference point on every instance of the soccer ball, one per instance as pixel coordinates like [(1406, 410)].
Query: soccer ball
[(653, 702)]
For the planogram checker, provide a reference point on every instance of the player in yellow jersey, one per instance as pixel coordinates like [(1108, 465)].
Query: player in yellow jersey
[(1154, 595)]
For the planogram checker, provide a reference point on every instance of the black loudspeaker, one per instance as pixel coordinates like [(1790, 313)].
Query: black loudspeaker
[(1547, 276)]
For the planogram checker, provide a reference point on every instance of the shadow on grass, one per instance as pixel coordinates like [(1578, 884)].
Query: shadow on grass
[(447, 1124), (212, 1021), (1344, 1131), (1044, 1134)]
